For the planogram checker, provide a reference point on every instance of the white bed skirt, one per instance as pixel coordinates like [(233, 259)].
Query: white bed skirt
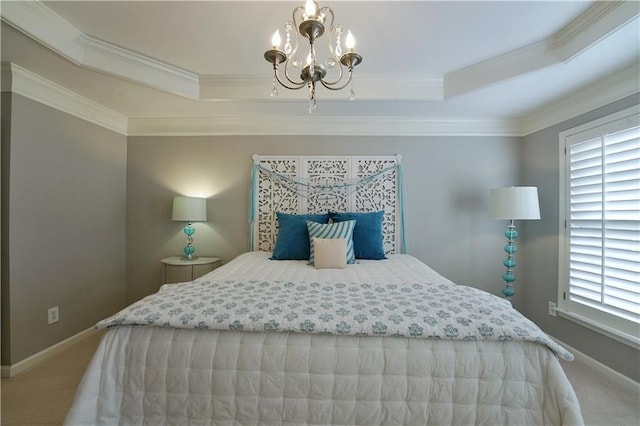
[(154, 376)]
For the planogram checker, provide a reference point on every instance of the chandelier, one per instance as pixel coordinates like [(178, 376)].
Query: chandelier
[(309, 21)]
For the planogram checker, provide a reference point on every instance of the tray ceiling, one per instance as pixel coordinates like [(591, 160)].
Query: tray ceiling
[(427, 65)]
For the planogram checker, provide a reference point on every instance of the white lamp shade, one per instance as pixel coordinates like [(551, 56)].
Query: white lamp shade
[(516, 202), (189, 209)]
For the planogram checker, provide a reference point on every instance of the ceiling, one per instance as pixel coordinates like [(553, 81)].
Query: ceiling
[(428, 67)]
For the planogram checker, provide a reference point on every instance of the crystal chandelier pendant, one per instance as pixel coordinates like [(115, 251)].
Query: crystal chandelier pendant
[(287, 46), (352, 93), (312, 97), (274, 89)]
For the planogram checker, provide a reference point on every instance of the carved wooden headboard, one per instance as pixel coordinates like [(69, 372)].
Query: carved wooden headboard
[(317, 184)]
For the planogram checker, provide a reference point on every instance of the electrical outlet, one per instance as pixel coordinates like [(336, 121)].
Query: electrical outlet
[(553, 309), (53, 315)]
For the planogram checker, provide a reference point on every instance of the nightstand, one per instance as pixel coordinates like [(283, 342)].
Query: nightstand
[(176, 269)]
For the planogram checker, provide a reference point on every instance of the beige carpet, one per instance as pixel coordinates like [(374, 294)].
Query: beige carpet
[(602, 402), (43, 394)]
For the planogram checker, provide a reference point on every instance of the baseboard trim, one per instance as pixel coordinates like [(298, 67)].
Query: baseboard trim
[(616, 378), (12, 370)]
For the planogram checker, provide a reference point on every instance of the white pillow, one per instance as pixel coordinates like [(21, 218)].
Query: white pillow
[(330, 253)]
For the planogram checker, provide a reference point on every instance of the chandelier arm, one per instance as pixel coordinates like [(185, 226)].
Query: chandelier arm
[(286, 86), (330, 37), (295, 21), (328, 9), (330, 85), (288, 77)]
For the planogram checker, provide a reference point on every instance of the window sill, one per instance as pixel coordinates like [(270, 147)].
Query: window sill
[(627, 339)]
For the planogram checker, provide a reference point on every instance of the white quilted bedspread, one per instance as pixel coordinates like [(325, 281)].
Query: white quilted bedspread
[(417, 302), (164, 373)]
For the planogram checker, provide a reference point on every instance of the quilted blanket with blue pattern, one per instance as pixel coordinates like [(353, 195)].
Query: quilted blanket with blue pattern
[(420, 309)]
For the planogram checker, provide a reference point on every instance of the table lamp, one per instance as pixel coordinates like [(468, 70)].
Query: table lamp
[(189, 209)]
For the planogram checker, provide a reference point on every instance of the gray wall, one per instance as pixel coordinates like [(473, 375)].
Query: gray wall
[(5, 137), (541, 168), (63, 199), (447, 186)]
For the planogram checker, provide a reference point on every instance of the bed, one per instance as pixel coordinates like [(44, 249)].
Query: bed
[(380, 342), (367, 336)]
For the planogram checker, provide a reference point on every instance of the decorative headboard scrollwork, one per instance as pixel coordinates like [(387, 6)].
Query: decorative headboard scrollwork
[(317, 184)]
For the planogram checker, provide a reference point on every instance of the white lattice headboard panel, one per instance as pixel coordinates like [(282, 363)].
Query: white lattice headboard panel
[(317, 184)]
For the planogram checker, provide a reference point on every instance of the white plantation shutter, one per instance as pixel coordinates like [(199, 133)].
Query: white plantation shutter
[(603, 225)]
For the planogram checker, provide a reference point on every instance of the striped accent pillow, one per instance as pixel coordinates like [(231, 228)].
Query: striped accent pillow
[(332, 230)]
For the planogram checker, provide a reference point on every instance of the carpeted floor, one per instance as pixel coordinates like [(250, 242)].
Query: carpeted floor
[(602, 402), (43, 394)]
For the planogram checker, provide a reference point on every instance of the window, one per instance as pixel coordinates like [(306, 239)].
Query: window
[(600, 225)]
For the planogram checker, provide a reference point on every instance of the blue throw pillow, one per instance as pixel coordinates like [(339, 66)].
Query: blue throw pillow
[(367, 235), (293, 238), (332, 230)]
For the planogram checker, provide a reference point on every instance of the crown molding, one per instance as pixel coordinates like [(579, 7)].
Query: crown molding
[(46, 27), (25, 83), (325, 126), (613, 88), (596, 23), (42, 24), (600, 20), (138, 68), (497, 69)]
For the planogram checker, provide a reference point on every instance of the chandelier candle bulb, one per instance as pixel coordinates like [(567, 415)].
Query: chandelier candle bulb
[(310, 10), (350, 42), (276, 40)]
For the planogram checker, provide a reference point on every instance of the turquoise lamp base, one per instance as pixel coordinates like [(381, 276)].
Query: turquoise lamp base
[(189, 250), (510, 263)]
